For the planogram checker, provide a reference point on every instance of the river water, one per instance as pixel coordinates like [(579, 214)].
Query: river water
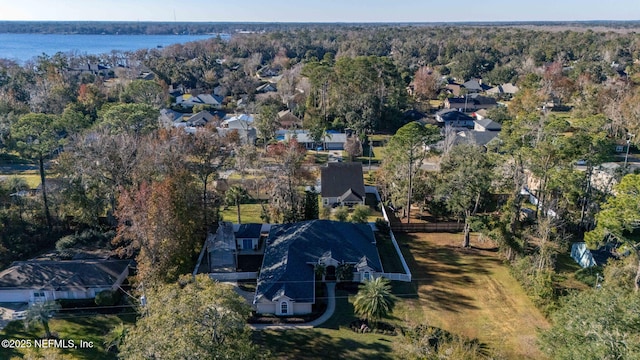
[(23, 47)]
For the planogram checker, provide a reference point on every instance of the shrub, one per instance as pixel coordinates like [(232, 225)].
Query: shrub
[(360, 214), (341, 213), (66, 242), (383, 227), (107, 298), (87, 237), (589, 275)]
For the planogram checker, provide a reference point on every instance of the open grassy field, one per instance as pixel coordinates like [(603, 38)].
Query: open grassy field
[(470, 292), (86, 327)]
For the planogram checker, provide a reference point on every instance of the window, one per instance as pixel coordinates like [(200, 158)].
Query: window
[(284, 307), (247, 244), (39, 296), (367, 275), (326, 201)]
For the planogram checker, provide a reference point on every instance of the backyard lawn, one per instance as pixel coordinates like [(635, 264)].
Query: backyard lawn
[(470, 292), (249, 214)]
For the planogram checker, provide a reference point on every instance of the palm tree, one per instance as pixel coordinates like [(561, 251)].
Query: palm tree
[(236, 195), (374, 300), (41, 313)]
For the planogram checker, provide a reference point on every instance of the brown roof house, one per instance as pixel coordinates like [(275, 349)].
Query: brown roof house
[(342, 184), (37, 281), (288, 120)]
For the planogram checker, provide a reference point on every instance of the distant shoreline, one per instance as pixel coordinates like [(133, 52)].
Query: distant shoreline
[(208, 28)]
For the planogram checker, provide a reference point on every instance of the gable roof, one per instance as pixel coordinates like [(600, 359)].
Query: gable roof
[(268, 87), (205, 99), (287, 119), (475, 85), (292, 249), (350, 196), (489, 125), (249, 231), (337, 178), (200, 119), (479, 138), (471, 99), (452, 115), (62, 275)]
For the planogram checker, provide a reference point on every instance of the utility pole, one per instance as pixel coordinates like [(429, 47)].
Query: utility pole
[(626, 155), (410, 189), (370, 145), (143, 300)]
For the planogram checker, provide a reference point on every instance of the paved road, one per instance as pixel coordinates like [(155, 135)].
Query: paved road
[(331, 307)]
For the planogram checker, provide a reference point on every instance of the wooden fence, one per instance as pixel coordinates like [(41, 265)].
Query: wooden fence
[(428, 227)]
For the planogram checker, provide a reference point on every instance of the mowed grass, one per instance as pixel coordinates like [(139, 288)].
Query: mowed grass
[(32, 178), (470, 292), (249, 213), (90, 328), (332, 340)]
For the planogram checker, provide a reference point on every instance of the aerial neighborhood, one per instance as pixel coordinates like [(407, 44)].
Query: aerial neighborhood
[(326, 190)]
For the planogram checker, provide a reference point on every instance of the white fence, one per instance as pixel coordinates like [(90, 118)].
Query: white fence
[(407, 273), (234, 276), (396, 276)]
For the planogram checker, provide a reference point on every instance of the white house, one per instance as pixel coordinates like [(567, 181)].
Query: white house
[(342, 184), (38, 281), (330, 141), (189, 101)]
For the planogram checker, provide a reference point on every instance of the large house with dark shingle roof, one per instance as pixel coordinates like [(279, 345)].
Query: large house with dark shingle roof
[(286, 284), (342, 184), (37, 281)]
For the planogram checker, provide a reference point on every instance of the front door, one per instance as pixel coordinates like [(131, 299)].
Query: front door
[(330, 273)]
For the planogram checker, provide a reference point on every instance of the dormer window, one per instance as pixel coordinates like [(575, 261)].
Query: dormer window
[(284, 308)]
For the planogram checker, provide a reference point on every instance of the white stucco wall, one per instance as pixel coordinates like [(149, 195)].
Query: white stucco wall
[(330, 201), (266, 308), (274, 308), (15, 295), (301, 308)]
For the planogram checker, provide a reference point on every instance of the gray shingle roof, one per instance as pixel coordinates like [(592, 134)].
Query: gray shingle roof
[(452, 114), (292, 249), (62, 275), (337, 178), (248, 231), (351, 196), (489, 124)]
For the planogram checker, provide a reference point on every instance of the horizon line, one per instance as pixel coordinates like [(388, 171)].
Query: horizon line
[(327, 22)]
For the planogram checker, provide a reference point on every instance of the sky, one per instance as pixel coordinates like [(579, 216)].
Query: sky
[(320, 10)]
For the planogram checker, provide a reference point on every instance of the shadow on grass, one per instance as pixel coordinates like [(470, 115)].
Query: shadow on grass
[(439, 267), (313, 344), (344, 313)]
